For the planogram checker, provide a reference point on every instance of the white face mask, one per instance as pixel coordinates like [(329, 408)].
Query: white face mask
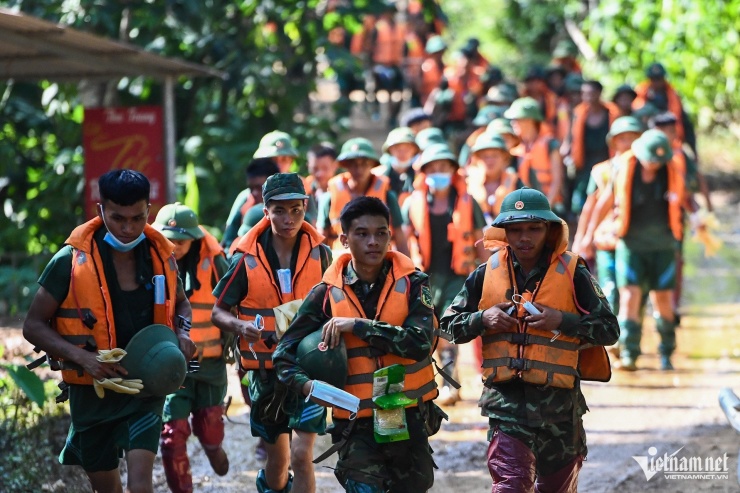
[(117, 244), (401, 167), (334, 396)]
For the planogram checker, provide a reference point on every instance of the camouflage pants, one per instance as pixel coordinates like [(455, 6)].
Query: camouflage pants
[(553, 446), (395, 467)]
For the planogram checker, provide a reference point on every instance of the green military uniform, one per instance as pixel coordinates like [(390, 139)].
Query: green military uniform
[(102, 428), (230, 291), (546, 419), (398, 466)]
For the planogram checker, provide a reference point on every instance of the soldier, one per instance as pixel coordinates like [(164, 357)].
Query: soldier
[(416, 119), (81, 317), (201, 263), (429, 136), (374, 301), (400, 153), (623, 98), (277, 262), (536, 307), (485, 116), (359, 158), (596, 238), (650, 195), (322, 166), (540, 165), (257, 172), (535, 87), (432, 69)]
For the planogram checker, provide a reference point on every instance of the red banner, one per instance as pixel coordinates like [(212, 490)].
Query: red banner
[(124, 138)]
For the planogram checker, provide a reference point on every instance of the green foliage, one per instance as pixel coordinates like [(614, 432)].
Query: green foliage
[(28, 382)]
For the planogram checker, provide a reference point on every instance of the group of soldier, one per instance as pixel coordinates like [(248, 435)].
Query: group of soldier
[(457, 232)]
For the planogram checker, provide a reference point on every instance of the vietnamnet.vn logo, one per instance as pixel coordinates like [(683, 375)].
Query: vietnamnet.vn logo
[(674, 467)]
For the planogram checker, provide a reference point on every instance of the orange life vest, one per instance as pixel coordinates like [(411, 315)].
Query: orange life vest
[(539, 357), (248, 204), (674, 104), (459, 231), (89, 293), (548, 101), (341, 195), (264, 290), (389, 44), (477, 188), (605, 235), (457, 84), (536, 159), (205, 335), (564, 119), (578, 130), (393, 308), (676, 194)]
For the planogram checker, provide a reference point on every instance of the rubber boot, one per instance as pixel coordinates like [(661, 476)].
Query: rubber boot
[(352, 486), (564, 480), (262, 486), (629, 343), (511, 464), (667, 330), (208, 426), (175, 461)]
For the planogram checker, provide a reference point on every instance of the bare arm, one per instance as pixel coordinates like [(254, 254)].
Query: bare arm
[(582, 248), (483, 254), (184, 310), (224, 319), (37, 331), (603, 205)]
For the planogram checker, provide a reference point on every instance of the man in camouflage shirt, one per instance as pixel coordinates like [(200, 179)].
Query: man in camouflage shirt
[(364, 465), (532, 397)]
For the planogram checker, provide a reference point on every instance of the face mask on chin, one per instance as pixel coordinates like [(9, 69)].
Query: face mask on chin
[(401, 167), (117, 244), (438, 182)]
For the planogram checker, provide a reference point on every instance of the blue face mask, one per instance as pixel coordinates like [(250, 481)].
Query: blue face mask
[(117, 244), (438, 182)]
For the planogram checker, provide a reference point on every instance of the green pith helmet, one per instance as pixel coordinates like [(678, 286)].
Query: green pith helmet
[(357, 148), (525, 205), (648, 110), (565, 49), (274, 144), (655, 71), (622, 125), (435, 44), (524, 109), (178, 222), (400, 135), (429, 136), (501, 94), (322, 363), (154, 356), (435, 152), (487, 114), (653, 146), (488, 140), (573, 82), (500, 126)]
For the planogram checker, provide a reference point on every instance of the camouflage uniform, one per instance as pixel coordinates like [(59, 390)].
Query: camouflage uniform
[(363, 464), (547, 419)]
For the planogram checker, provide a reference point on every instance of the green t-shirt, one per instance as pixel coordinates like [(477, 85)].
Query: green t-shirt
[(391, 200), (441, 256), (649, 229), (132, 311)]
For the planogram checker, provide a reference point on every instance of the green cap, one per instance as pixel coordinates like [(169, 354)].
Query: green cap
[(502, 94), (321, 363), (178, 222), (501, 126), (435, 152), (356, 148), (573, 82), (153, 355), (655, 71), (487, 114), (283, 186), (489, 141), (429, 136), (622, 125), (400, 135), (653, 147), (274, 144), (435, 44), (648, 110), (524, 109), (565, 49), (525, 205)]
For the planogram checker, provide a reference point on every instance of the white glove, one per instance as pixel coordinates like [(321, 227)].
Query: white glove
[(111, 355), (284, 315), (120, 385)]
